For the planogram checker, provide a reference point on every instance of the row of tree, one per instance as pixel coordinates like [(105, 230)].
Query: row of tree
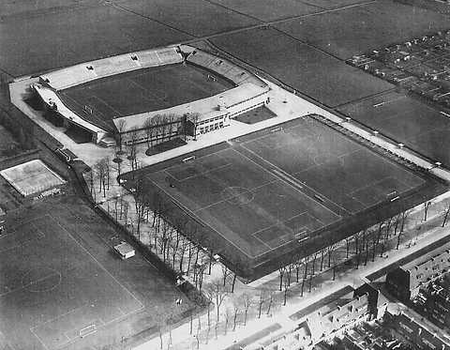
[(155, 129)]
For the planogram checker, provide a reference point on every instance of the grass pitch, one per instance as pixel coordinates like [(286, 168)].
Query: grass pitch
[(142, 91), (62, 286), (259, 194), (350, 31), (406, 120), (304, 68)]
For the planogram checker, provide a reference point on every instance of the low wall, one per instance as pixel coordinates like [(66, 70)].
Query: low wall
[(102, 68)]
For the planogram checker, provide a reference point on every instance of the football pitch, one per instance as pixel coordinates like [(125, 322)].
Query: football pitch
[(404, 119), (274, 189), (141, 91), (62, 286)]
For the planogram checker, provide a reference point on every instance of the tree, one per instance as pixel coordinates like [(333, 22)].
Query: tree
[(405, 215), (120, 126), (446, 215), (132, 145), (149, 130), (426, 207), (236, 310), (282, 272), (330, 250), (286, 288), (246, 301), (217, 293)]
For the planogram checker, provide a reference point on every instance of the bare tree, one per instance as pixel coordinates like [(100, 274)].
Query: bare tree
[(120, 126), (217, 293), (446, 215), (237, 305), (426, 207), (282, 272), (330, 250), (246, 302), (149, 130)]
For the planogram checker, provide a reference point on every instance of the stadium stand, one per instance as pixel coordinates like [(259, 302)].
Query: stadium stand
[(221, 67), (82, 73)]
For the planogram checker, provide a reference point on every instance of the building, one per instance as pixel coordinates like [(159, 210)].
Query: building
[(201, 116), (414, 333), (434, 302), (213, 113), (405, 281), (332, 319)]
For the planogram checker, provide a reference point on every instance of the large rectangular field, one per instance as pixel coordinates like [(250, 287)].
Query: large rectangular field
[(75, 32), (301, 66), (62, 286), (406, 120), (142, 91), (357, 29), (261, 193)]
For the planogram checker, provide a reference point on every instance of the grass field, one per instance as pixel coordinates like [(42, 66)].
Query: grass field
[(45, 36), (268, 10), (142, 91), (256, 115), (406, 120), (196, 17), (347, 32), (300, 66), (60, 277), (262, 192)]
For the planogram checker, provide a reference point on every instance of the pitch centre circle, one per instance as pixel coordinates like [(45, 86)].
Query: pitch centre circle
[(237, 195)]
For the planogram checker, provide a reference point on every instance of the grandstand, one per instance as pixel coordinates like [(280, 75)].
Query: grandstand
[(96, 96)]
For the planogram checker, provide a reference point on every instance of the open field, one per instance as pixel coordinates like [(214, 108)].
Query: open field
[(259, 194), (142, 91), (8, 145), (53, 37), (300, 66), (60, 280), (195, 17), (347, 32), (405, 120), (268, 10)]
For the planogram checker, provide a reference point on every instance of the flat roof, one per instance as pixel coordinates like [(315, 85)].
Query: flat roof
[(204, 106), (426, 257), (124, 248)]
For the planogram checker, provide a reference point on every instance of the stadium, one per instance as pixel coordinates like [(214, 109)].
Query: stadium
[(191, 90), (268, 198), (259, 200)]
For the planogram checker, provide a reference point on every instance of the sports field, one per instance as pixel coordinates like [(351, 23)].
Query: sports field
[(195, 17), (62, 286), (142, 91), (304, 68), (350, 31), (43, 35), (265, 191), (267, 10), (406, 120)]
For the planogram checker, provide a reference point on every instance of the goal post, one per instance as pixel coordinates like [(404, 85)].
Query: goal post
[(91, 329)]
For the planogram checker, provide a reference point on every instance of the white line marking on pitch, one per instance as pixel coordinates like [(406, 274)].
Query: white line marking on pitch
[(40, 340), (93, 257)]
